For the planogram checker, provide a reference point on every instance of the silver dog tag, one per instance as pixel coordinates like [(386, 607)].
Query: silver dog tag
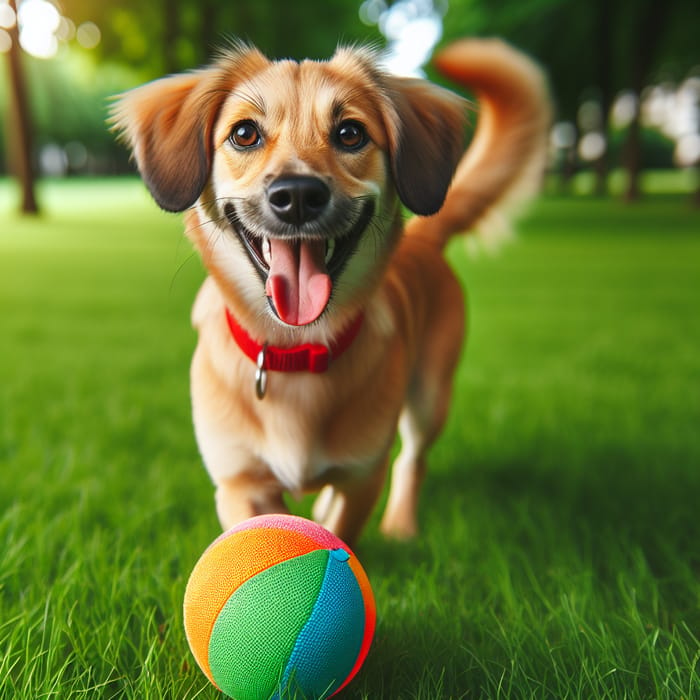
[(261, 373)]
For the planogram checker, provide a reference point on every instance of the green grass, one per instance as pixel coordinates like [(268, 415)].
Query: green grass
[(560, 553)]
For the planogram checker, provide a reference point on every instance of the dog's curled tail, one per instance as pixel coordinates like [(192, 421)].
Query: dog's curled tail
[(505, 162)]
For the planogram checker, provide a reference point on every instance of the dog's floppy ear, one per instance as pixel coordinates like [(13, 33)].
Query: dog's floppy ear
[(425, 124), (168, 125)]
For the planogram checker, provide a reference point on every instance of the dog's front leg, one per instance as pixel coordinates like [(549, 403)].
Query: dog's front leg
[(343, 508), (245, 495)]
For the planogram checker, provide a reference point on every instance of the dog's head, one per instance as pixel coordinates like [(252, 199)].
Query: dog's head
[(298, 165)]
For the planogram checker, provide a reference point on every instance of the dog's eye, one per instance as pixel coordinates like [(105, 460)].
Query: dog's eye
[(351, 136), (245, 135)]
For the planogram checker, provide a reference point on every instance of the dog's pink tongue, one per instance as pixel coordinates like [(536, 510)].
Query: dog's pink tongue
[(298, 283)]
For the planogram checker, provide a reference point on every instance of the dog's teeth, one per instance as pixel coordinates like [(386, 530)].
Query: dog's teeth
[(267, 250), (330, 249)]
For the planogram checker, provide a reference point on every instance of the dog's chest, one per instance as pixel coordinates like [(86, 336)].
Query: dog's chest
[(312, 438)]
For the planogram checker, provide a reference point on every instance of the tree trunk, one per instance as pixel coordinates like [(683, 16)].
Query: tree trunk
[(19, 139), (209, 36), (646, 38), (633, 158), (603, 58), (171, 32)]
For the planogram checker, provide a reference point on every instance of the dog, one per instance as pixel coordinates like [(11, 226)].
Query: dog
[(326, 322)]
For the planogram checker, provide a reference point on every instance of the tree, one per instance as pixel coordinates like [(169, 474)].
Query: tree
[(599, 47), (168, 36), (646, 30), (20, 131)]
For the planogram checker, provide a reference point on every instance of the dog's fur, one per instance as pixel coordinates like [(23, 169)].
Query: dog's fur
[(333, 431)]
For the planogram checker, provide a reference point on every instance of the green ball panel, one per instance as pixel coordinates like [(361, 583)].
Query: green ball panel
[(256, 630)]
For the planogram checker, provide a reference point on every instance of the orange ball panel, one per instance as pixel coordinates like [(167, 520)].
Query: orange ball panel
[(226, 565)]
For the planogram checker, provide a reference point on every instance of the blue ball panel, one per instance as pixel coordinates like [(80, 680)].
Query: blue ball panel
[(328, 645)]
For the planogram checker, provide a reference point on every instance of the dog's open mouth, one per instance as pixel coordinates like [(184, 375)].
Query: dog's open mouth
[(299, 273)]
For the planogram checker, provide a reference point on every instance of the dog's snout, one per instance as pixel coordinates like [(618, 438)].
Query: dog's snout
[(299, 199)]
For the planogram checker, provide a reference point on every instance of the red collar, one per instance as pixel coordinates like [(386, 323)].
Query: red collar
[(310, 357)]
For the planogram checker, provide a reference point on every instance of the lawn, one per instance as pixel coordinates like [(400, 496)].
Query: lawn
[(560, 552)]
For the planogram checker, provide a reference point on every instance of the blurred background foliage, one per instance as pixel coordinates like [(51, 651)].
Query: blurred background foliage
[(625, 73)]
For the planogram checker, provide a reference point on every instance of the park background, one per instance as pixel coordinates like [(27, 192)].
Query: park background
[(624, 74), (559, 555)]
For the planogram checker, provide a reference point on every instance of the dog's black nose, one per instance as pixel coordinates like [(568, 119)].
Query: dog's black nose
[(298, 199)]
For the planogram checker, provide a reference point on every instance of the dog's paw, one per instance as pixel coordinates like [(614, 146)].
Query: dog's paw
[(401, 526)]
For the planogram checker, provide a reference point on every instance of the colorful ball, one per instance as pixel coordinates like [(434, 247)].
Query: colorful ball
[(279, 606)]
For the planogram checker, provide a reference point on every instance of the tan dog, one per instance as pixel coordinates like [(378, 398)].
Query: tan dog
[(293, 176)]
